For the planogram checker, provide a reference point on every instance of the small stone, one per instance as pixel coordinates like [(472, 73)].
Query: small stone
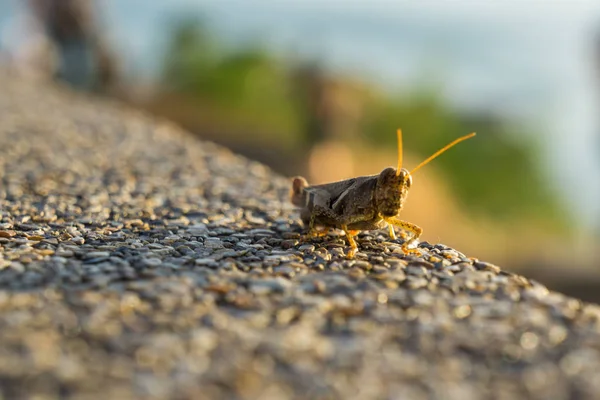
[(365, 265), (462, 311), (52, 241), (484, 266), (417, 271), (283, 227), (78, 240), (35, 238), (261, 232), (64, 253), (97, 254), (416, 283), (308, 248), (17, 266), (255, 220), (197, 230), (152, 262), (337, 252), (205, 261), (7, 234), (213, 243), (185, 250), (529, 340), (26, 227), (266, 286), (288, 244)]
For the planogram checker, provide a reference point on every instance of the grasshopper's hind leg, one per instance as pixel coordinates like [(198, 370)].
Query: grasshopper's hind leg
[(350, 235), (392, 232), (415, 230)]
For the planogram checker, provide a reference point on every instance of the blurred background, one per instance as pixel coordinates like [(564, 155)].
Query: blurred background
[(319, 87)]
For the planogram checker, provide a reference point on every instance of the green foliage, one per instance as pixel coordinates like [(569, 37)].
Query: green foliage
[(249, 83), (191, 55)]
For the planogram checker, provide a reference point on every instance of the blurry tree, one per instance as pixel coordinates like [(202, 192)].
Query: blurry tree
[(249, 83), (191, 54)]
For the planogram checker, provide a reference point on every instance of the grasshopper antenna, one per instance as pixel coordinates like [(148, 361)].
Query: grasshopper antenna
[(399, 152), (437, 153)]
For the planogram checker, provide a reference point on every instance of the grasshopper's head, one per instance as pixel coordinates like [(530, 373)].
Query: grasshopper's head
[(393, 183), (391, 190)]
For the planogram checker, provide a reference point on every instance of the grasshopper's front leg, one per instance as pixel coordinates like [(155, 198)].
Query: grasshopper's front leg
[(351, 233), (407, 226), (392, 232)]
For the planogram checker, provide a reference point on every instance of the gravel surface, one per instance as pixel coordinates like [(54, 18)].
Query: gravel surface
[(139, 262)]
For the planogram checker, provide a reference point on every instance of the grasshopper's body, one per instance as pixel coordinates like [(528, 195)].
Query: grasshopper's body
[(364, 203)]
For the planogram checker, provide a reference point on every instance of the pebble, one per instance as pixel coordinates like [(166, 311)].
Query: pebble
[(307, 248), (64, 253), (205, 261), (261, 232), (265, 286), (78, 240), (152, 262), (96, 254), (417, 271), (213, 243), (285, 270)]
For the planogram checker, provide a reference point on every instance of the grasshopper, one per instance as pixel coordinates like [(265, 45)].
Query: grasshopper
[(363, 203)]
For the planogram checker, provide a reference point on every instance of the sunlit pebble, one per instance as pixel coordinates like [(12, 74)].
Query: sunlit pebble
[(557, 334), (529, 340), (463, 311), (382, 298), (129, 302), (512, 352), (144, 358), (537, 377), (572, 364), (77, 346)]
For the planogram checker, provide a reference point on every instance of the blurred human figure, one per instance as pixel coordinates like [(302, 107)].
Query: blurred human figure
[(80, 56)]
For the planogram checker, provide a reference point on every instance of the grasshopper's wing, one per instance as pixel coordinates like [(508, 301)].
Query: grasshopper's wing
[(335, 189), (316, 196), (326, 194), (357, 202), (318, 200)]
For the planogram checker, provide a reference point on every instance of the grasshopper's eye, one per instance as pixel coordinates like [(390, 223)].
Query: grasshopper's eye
[(409, 181)]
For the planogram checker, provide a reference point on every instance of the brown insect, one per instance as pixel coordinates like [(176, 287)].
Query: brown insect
[(363, 203)]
